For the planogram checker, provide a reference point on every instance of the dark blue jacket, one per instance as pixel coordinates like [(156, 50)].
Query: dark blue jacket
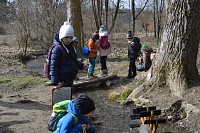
[(64, 68), (66, 123)]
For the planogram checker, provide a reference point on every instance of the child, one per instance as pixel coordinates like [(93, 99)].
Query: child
[(103, 52), (63, 70), (132, 55), (82, 107), (78, 53), (146, 55), (91, 43)]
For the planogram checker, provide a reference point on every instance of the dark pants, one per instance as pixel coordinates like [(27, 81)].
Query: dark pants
[(132, 67), (103, 62)]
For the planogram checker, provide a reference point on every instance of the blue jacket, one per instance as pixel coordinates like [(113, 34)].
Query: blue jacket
[(64, 69), (66, 123)]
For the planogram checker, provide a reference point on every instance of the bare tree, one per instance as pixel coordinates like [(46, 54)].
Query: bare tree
[(134, 15), (158, 9), (115, 16)]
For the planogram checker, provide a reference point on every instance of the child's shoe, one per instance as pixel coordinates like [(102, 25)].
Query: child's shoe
[(104, 73)]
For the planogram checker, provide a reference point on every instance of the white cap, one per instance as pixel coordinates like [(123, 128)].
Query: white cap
[(66, 30), (104, 33)]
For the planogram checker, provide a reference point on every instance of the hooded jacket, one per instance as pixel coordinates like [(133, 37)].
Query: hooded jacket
[(66, 123), (63, 69)]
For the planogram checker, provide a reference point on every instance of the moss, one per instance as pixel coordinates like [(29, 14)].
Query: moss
[(138, 101), (22, 82), (120, 96)]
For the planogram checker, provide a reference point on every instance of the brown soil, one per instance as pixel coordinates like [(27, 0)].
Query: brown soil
[(30, 108)]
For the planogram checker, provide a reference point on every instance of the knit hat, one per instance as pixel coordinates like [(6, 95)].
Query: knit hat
[(95, 35), (84, 104), (129, 35), (66, 30), (75, 39), (102, 29)]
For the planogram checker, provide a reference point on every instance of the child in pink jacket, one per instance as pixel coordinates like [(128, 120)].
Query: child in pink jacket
[(104, 51)]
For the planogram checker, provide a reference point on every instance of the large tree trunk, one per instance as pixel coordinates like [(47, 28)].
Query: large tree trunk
[(176, 60), (74, 14)]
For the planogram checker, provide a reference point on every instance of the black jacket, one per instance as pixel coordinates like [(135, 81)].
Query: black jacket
[(131, 51)]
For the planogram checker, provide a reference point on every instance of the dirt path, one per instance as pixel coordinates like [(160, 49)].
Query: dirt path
[(30, 108)]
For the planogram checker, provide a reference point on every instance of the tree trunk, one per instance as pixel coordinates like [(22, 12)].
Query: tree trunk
[(95, 14), (106, 12), (115, 16), (176, 60), (99, 10), (133, 16), (74, 14), (154, 18)]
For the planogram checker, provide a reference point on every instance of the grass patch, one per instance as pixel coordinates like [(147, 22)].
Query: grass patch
[(22, 82), (120, 96)]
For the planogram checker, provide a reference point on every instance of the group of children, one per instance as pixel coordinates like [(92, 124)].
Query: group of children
[(64, 68), (96, 44)]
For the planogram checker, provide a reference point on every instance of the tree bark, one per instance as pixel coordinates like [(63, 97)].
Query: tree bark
[(74, 15), (95, 14), (115, 16), (106, 13), (133, 16), (175, 65)]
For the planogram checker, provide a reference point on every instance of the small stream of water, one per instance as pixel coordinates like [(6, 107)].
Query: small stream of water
[(37, 64)]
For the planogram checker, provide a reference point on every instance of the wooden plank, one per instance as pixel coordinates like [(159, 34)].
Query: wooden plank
[(83, 81)]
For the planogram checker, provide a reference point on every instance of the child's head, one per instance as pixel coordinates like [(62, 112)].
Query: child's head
[(85, 105), (66, 33), (129, 35), (95, 36), (75, 40)]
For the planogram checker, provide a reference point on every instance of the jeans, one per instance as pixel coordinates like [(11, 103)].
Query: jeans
[(91, 65)]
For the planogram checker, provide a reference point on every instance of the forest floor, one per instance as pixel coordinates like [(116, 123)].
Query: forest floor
[(25, 105)]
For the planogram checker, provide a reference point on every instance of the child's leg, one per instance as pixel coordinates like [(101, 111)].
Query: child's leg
[(103, 62), (91, 65), (130, 68), (103, 65)]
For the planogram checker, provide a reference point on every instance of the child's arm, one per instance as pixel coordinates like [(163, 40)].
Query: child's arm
[(67, 124)]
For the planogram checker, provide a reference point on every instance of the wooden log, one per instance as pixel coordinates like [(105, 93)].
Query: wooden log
[(85, 81)]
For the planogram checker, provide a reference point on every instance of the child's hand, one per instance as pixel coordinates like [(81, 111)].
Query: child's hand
[(86, 126), (85, 67)]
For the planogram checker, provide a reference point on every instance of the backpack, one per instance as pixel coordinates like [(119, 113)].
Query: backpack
[(59, 110), (138, 45), (46, 68), (140, 66), (104, 44), (85, 51)]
